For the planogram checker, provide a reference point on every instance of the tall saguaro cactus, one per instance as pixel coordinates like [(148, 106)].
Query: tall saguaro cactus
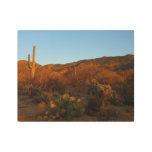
[(32, 67)]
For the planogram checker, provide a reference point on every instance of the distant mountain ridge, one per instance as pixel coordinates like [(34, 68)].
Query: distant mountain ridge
[(101, 59)]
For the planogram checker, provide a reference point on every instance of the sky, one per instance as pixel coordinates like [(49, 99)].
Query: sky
[(60, 47)]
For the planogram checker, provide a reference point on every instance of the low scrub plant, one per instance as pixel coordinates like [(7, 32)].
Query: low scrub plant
[(99, 95), (115, 99), (41, 98), (35, 91), (64, 108)]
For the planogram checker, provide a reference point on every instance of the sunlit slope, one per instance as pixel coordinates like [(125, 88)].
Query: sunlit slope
[(106, 70)]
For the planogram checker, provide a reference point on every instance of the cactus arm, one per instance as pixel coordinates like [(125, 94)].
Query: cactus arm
[(33, 65), (29, 65)]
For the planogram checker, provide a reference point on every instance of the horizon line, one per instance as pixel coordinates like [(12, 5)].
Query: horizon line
[(79, 60)]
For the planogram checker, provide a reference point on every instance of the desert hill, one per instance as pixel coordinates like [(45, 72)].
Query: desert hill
[(58, 80), (107, 67), (120, 61), (113, 63), (115, 71)]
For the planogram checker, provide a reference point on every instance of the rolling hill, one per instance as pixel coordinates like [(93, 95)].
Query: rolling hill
[(105, 69), (115, 71)]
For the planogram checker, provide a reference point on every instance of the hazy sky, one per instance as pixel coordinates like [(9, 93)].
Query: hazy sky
[(69, 46)]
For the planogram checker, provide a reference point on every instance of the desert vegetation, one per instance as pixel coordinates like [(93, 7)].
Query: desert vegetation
[(99, 89)]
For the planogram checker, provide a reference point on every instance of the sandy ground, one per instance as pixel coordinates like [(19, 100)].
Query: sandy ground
[(27, 110)]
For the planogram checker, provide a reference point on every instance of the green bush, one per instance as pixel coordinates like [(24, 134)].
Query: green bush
[(64, 108), (93, 105), (45, 98), (41, 98), (38, 96), (115, 99), (37, 100), (99, 90), (35, 91), (20, 90), (99, 96)]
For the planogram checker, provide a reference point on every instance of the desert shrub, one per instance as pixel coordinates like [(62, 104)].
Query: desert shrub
[(116, 99), (92, 106), (20, 90), (99, 95), (127, 91), (73, 93), (38, 96), (27, 88), (54, 85), (37, 100), (97, 89), (35, 91), (41, 98), (104, 91), (45, 98), (20, 87), (92, 87), (65, 107), (24, 89)]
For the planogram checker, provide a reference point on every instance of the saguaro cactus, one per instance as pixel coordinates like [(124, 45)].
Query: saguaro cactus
[(32, 67)]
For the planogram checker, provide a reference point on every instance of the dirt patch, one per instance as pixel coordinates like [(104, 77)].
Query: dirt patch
[(27, 110)]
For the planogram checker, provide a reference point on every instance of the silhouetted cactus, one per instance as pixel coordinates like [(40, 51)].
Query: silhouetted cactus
[(32, 67)]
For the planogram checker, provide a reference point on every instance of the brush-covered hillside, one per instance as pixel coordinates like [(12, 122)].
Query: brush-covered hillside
[(107, 70), (117, 72)]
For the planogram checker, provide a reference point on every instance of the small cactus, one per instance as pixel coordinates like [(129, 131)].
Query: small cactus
[(32, 67), (101, 91)]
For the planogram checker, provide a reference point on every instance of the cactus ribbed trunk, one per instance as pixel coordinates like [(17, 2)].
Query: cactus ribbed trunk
[(29, 64), (33, 66), (33, 63)]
